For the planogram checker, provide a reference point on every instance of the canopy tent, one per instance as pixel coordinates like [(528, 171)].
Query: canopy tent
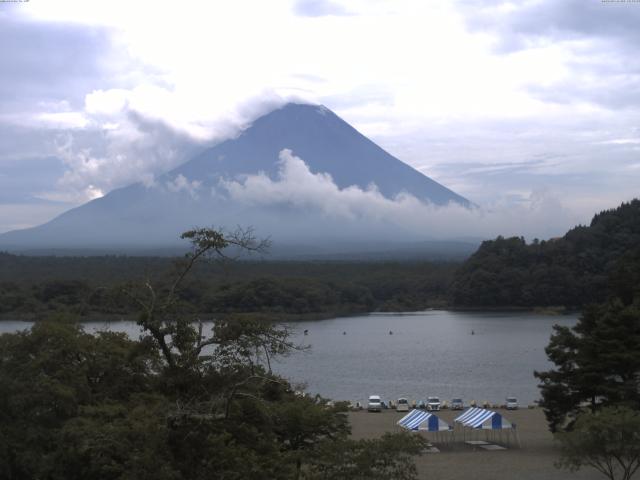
[(487, 420), (483, 419), (419, 420)]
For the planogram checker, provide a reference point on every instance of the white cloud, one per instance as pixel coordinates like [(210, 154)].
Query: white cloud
[(181, 184), (106, 102), (127, 136), (413, 76), (419, 54), (62, 120), (318, 8), (298, 187), (539, 214), (71, 196), (183, 112), (101, 160), (622, 141)]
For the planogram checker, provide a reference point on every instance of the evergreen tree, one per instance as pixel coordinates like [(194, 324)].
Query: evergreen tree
[(597, 363)]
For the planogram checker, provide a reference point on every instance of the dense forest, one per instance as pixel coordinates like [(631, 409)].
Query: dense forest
[(571, 271), (579, 268), (93, 286)]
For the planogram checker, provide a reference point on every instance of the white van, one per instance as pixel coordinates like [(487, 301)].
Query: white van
[(512, 403), (374, 404), (403, 405), (433, 404)]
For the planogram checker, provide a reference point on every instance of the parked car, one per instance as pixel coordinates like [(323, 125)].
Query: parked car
[(374, 404), (512, 403), (402, 405), (433, 404), (457, 404)]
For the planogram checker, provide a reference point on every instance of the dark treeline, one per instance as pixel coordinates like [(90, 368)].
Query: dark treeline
[(85, 286), (580, 268)]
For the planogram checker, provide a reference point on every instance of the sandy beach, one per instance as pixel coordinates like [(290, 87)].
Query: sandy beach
[(534, 460)]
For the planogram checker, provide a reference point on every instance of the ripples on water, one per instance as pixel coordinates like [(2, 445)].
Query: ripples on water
[(429, 353)]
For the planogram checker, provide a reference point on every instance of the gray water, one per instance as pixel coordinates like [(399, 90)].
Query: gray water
[(430, 353)]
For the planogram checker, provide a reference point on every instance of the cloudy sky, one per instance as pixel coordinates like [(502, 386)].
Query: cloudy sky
[(520, 106)]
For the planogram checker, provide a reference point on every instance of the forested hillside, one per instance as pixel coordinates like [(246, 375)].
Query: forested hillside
[(93, 286), (581, 267)]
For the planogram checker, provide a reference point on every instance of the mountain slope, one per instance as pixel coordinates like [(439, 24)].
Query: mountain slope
[(327, 144), (143, 216)]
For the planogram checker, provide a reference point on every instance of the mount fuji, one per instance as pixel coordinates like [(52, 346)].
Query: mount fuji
[(299, 174)]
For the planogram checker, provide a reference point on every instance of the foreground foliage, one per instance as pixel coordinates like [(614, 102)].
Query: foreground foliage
[(608, 440), (179, 403), (387, 458), (592, 397), (597, 363)]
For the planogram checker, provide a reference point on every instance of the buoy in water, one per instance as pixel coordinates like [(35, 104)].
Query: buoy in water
[(390, 332), (306, 332), (472, 332), (344, 333)]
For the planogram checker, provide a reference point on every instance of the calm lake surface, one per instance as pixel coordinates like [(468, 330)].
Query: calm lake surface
[(429, 353)]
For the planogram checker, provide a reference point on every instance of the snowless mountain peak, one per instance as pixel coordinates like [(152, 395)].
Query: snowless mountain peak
[(268, 163)]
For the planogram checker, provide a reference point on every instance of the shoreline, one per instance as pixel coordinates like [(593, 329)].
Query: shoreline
[(295, 318), (550, 310)]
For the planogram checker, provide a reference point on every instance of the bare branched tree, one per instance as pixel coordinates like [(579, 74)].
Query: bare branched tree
[(180, 343), (233, 360)]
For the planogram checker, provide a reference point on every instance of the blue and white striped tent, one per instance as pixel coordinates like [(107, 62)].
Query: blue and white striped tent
[(492, 423), (483, 419), (423, 421)]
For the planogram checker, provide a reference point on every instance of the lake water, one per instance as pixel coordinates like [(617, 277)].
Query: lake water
[(429, 353)]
